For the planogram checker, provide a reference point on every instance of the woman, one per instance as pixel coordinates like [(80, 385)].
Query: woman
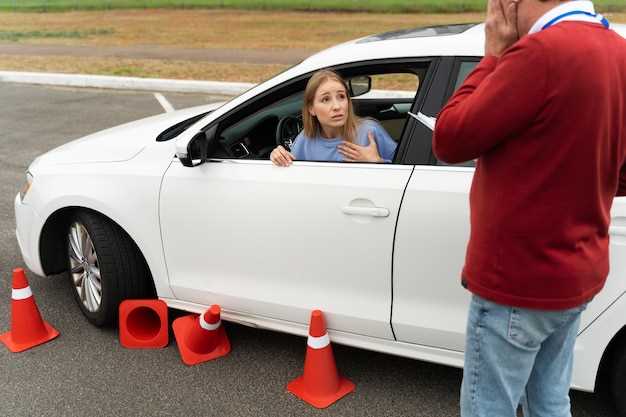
[(332, 132)]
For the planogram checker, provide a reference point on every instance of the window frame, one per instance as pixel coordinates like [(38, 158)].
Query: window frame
[(449, 91), (292, 86)]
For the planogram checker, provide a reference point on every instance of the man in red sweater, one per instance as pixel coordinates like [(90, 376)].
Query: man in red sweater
[(545, 114)]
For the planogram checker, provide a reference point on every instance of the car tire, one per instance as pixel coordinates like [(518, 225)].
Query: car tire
[(105, 267), (618, 379)]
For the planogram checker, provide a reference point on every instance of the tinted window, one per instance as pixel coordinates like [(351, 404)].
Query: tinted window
[(464, 71)]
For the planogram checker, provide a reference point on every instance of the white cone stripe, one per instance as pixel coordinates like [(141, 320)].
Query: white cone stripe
[(21, 293), (318, 342), (209, 326)]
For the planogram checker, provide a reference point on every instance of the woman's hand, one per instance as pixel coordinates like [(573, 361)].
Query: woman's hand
[(281, 157), (356, 153)]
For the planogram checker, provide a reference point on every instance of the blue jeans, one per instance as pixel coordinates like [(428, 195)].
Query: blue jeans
[(518, 356)]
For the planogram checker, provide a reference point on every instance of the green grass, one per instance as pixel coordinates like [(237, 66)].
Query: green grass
[(391, 6), (8, 35)]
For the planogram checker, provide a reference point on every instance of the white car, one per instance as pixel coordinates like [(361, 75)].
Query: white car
[(187, 207)]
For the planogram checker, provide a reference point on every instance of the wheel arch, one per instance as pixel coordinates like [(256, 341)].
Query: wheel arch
[(53, 241), (617, 342)]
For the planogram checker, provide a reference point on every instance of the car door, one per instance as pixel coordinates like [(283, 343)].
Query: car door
[(278, 242), (430, 305)]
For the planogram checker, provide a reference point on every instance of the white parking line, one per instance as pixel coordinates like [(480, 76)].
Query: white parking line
[(163, 101)]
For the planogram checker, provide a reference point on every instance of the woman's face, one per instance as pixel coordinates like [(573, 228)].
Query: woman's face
[(330, 104)]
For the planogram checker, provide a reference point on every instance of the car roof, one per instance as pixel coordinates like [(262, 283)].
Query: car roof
[(465, 40), (449, 40)]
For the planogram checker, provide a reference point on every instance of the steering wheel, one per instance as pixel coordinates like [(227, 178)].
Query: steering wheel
[(287, 129)]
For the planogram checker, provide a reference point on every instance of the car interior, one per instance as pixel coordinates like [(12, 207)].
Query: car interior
[(384, 94)]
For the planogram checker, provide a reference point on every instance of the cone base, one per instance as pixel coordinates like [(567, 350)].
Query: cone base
[(182, 326), (150, 319), (15, 347), (298, 388)]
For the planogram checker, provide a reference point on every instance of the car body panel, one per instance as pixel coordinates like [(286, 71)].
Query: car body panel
[(433, 230), (253, 227), (121, 143), (592, 342), (104, 187)]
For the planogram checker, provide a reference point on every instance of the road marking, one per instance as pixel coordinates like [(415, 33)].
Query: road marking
[(164, 103)]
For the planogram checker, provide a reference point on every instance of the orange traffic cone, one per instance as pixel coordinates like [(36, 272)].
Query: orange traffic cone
[(143, 324), (201, 338), (320, 385), (27, 327)]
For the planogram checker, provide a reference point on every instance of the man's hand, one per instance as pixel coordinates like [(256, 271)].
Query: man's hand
[(355, 153), (500, 26)]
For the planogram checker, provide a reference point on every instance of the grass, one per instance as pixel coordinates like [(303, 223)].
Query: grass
[(386, 6), (219, 28), (9, 35), (202, 29)]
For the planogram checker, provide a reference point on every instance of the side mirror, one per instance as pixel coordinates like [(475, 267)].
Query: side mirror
[(360, 85), (199, 148)]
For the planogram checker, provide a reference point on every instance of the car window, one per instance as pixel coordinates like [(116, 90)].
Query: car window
[(278, 118), (389, 101), (254, 137), (465, 68)]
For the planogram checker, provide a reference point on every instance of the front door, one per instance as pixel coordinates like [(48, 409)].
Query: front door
[(279, 242)]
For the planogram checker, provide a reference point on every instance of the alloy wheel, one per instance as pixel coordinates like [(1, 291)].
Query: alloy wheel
[(85, 269)]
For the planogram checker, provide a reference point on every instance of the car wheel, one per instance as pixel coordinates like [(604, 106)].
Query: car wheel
[(105, 267), (618, 379)]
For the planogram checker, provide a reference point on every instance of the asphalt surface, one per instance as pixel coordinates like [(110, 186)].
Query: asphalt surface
[(86, 372)]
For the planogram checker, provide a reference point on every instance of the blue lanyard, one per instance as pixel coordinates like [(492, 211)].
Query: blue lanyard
[(603, 20)]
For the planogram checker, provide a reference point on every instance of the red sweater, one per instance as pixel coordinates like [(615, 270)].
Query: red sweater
[(547, 122)]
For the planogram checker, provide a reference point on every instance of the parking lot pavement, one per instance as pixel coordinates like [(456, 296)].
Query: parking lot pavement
[(86, 372)]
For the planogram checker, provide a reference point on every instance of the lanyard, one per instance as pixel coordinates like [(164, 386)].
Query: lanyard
[(601, 18)]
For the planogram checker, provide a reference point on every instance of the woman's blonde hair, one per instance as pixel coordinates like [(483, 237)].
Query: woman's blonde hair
[(312, 126)]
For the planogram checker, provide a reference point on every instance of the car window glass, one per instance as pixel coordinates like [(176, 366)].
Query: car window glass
[(464, 70), (389, 101), (254, 137)]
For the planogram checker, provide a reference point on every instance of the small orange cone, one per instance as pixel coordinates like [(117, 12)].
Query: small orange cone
[(201, 338), (143, 324), (320, 385), (27, 327)]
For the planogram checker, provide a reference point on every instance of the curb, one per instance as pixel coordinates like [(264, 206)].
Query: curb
[(126, 83)]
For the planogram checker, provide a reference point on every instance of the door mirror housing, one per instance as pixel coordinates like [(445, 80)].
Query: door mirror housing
[(200, 148), (360, 85)]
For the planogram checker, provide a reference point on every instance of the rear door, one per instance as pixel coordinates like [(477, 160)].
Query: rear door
[(429, 303)]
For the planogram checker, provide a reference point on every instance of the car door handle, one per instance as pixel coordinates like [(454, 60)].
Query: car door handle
[(366, 211)]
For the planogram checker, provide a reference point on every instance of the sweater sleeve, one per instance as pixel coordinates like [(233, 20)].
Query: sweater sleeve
[(386, 145), (297, 147), (500, 98)]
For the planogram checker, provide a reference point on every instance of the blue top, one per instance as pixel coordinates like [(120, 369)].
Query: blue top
[(319, 148)]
